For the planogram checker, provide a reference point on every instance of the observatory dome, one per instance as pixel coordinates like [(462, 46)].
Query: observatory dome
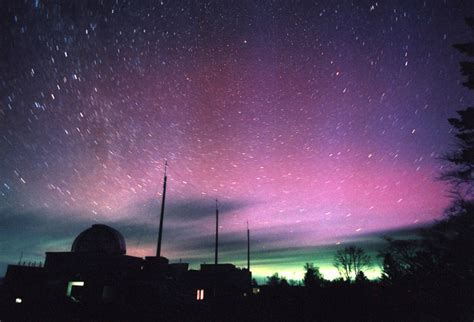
[(100, 239)]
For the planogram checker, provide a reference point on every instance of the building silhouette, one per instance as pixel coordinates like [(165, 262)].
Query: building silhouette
[(98, 272)]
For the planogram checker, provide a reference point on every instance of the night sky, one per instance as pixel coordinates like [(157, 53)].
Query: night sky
[(318, 123)]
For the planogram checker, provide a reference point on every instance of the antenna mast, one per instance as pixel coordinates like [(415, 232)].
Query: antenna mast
[(248, 247), (21, 257), (160, 232), (217, 234)]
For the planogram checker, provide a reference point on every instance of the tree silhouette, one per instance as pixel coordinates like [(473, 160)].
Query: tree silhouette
[(254, 282), (391, 271), (361, 278), (437, 270), (312, 277), (460, 162), (350, 261), (400, 259), (276, 280), (467, 67), (460, 170), (292, 282)]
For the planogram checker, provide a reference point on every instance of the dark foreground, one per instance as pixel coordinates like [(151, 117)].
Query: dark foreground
[(336, 302)]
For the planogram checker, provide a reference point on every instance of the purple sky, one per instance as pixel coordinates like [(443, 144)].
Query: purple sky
[(318, 124)]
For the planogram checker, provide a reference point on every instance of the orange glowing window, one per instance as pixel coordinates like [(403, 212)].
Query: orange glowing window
[(200, 295)]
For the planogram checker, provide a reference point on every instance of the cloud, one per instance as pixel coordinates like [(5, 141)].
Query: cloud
[(21, 227), (188, 234), (183, 210), (33, 232)]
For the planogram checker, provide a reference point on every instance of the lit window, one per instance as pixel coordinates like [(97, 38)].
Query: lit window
[(70, 286), (200, 295), (18, 300)]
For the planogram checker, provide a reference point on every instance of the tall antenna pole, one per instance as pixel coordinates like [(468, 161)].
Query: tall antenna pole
[(160, 233), (21, 257), (217, 234), (248, 247)]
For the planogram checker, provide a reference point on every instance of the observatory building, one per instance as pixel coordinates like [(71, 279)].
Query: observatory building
[(100, 239), (95, 268), (97, 271)]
